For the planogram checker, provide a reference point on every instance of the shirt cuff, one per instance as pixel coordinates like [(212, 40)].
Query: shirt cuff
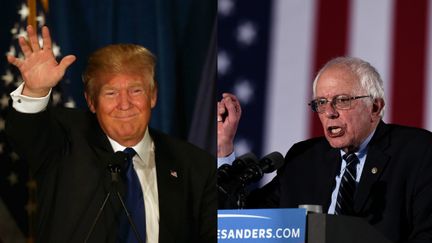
[(27, 104), (226, 160)]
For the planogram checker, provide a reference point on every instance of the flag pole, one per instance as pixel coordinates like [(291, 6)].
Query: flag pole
[(45, 5), (31, 19), (31, 208), (31, 184)]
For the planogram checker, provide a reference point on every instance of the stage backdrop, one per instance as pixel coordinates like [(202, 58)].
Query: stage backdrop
[(180, 33), (269, 52)]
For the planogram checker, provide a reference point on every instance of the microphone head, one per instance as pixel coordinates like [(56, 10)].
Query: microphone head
[(223, 172), (117, 165), (114, 170), (271, 162), (244, 161), (228, 173), (120, 158)]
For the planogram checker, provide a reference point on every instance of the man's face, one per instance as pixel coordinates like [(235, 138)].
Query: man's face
[(346, 129), (123, 107)]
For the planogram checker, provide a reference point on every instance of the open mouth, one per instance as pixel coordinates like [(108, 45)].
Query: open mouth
[(335, 131)]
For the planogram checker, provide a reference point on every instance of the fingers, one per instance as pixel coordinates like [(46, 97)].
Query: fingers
[(67, 61), (221, 111), (25, 48), (229, 112), (228, 108), (231, 99), (229, 95), (33, 39), (47, 45), (33, 44), (232, 105), (14, 61)]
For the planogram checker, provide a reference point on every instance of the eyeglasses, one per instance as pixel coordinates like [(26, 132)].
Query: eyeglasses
[(340, 102)]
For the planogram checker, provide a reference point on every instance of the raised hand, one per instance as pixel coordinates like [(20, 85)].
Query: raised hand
[(39, 68), (228, 117)]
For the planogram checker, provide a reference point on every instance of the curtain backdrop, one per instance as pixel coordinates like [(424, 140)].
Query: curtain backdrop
[(176, 31)]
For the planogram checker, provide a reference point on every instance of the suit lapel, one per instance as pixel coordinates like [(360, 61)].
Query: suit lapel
[(102, 150), (170, 190), (101, 156), (375, 164), (98, 139), (331, 169)]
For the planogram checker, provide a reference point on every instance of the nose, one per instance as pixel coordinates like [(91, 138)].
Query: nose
[(124, 102), (330, 111)]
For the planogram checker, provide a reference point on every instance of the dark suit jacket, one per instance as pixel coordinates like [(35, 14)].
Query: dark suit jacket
[(397, 200), (68, 155)]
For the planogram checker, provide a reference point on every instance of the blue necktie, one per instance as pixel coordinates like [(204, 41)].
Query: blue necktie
[(348, 186), (134, 202)]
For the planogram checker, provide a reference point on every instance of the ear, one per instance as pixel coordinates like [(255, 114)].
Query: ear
[(377, 106), (153, 97), (90, 103)]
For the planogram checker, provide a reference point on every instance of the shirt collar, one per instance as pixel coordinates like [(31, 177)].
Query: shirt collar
[(142, 148), (363, 146)]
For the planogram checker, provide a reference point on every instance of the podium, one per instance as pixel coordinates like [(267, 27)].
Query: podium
[(325, 228), (293, 225), (280, 225)]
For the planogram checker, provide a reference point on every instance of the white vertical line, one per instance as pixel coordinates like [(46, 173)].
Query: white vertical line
[(290, 80), (370, 38), (428, 100)]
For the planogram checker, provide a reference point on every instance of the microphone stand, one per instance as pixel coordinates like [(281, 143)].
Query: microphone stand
[(97, 217), (241, 197), (114, 170), (226, 198), (235, 193), (129, 218)]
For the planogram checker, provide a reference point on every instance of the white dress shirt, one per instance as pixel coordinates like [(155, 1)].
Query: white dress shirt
[(145, 167), (361, 155)]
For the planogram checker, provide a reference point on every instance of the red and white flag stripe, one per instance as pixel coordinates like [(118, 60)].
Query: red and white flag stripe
[(394, 36)]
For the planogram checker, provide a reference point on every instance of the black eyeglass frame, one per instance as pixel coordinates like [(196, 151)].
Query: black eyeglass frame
[(314, 103)]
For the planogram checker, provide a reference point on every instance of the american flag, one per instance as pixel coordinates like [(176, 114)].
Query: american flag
[(269, 52), (17, 189)]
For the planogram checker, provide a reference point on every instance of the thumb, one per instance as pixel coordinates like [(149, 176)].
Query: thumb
[(13, 60), (67, 61)]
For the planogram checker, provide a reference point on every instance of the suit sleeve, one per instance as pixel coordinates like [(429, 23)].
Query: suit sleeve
[(35, 137), (208, 216), (421, 209)]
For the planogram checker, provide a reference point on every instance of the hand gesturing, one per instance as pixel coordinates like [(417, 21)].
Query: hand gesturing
[(228, 115), (39, 68)]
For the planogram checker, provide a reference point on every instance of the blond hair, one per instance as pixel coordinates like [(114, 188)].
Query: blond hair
[(117, 59)]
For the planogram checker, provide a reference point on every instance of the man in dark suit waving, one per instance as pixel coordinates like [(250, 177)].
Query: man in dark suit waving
[(362, 167), (168, 186)]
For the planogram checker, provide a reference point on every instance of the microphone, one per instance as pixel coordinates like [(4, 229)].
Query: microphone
[(117, 165), (267, 164), (232, 180), (114, 168), (120, 160), (226, 172)]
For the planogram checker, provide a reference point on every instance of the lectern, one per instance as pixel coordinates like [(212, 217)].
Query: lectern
[(325, 228), (293, 226)]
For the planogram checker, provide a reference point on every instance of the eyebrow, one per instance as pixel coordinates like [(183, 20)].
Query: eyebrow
[(322, 97)]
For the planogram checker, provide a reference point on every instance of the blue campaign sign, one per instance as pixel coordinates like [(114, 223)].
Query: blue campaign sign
[(262, 225)]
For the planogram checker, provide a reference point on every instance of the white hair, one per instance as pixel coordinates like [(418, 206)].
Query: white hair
[(370, 79)]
